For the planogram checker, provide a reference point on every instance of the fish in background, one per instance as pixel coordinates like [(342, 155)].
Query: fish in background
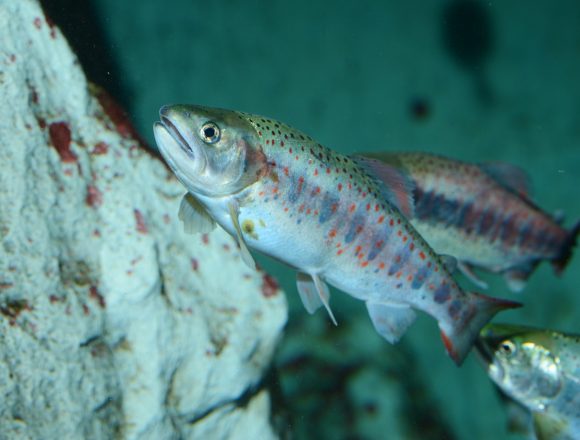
[(336, 219), (482, 215), (539, 370)]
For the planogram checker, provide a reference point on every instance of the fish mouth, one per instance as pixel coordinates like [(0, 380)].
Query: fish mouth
[(176, 135)]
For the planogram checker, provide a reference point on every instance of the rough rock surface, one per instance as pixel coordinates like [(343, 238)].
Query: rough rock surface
[(113, 322)]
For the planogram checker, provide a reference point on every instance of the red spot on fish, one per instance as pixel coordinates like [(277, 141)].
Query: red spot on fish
[(328, 171), (94, 196), (308, 211), (368, 206), (37, 22), (379, 243), (261, 193), (340, 251), (296, 157), (100, 148), (316, 171), (96, 295), (267, 141), (334, 207), (269, 286), (357, 250), (301, 208), (286, 209), (275, 190), (404, 239), (332, 233), (340, 186), (381, 265), (273, 142), (86, 310), (352, 208), (286, 171), (377, 207), (205, 238), (398, 221), (398, 275), (381, 219), (260, 133), (316, 212), (290, 150), (364, 264), (397, 259), (400, 233), (194, 264), (429, 264), (422, 255), (60, 138), (411, 246), (281, 143), (359, 229), (410, 278), (391, 222), (141, 226)]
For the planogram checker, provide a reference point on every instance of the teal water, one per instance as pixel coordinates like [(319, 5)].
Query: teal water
[(371, 76)]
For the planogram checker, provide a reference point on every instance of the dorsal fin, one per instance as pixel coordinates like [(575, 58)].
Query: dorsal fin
[(510, 176), (395, 183)]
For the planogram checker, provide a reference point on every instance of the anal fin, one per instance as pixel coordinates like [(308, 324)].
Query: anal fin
[(517, 277), (391, 321), (467, 270), (314, 293)]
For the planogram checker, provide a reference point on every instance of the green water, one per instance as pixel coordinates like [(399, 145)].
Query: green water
[(371, 76)]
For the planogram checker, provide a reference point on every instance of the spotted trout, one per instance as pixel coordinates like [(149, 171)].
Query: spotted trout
[(333, 218), (540, 370), (482, 215)]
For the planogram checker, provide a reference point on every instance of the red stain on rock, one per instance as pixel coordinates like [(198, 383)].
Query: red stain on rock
[(194, 264), (96, 295), (141, 226), (100, 148), (60, 137), (269, 286), (94, 196)]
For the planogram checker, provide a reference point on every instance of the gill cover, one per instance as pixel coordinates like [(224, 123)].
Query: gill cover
[(213, 152)]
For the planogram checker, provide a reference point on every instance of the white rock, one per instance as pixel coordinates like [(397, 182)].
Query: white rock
[(113, 322)]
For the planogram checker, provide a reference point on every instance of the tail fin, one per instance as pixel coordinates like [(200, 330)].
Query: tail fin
[(460, 334), (560, 263)]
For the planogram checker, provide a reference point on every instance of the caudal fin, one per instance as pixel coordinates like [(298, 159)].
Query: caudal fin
[(560, 263), (459, 335)]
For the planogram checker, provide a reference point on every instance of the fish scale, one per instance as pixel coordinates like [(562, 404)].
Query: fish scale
[(334, 218)]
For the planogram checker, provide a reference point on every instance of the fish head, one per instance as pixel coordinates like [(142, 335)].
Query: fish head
[(213, 152), (522, 362)]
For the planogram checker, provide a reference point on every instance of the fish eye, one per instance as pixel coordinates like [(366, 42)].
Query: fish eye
[(210, 133), (507, 348)]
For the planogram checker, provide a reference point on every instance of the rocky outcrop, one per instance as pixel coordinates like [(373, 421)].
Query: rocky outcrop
[(113, 322)]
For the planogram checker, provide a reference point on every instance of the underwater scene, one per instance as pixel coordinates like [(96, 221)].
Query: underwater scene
[(293, 220)]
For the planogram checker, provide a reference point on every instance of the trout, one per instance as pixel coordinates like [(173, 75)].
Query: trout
[(540, 370), (482, 215), (333, 218)]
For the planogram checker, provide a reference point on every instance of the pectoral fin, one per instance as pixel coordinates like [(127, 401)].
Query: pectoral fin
[(313, 293), (246, 256), (194, 216), (391, 321)]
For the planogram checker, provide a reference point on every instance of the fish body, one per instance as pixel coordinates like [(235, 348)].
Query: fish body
[(482, 215), (540, 370), (281, 193)]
